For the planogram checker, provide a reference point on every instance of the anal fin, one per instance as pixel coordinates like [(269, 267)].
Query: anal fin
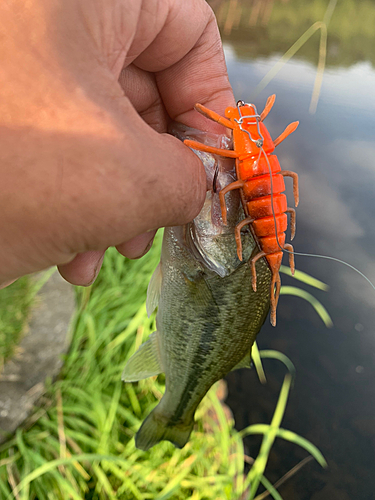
[(244, 363), (153, 291)]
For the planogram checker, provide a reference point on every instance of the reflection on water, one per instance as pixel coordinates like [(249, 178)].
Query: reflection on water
[(333, 151), (265, 27)]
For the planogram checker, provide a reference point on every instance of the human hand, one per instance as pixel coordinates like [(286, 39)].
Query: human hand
[(88, 89)]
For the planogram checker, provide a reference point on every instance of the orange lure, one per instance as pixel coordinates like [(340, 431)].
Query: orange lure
[(263, 201)]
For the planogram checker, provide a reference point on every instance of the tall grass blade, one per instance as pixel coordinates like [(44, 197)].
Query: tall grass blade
[(318, 306), (272, 354), (304, 278), (256, 358), (270, 488), (286, 57), (304, 443)]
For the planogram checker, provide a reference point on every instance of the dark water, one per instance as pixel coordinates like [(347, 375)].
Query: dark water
[(333, 152)]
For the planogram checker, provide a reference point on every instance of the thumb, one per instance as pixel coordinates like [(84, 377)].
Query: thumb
[(88, 191), (151, 180)]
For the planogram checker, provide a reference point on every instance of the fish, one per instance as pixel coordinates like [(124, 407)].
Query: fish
[(208, 315)]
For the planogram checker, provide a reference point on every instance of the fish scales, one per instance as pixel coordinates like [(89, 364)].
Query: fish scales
[(208, 314), (224, 313)]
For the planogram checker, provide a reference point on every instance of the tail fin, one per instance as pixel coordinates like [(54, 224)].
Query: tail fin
[(155, 429)]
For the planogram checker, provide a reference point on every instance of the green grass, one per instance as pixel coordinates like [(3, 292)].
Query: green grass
[(303, 294), (15, 302), (79, 443), (15, 306)]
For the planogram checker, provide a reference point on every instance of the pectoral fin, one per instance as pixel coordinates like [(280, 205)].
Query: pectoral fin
[(244, 363), (146, 362), (153, 291)]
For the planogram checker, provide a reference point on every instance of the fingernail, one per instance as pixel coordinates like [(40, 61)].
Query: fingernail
[(7, 283), (148, 246), (96, 270)]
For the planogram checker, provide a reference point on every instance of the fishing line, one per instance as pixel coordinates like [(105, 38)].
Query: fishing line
[(327, 257)]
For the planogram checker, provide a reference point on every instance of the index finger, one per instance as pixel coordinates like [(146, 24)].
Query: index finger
[(187, 57)]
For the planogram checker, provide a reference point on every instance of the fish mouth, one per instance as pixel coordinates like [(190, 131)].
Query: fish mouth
[(208, 240)]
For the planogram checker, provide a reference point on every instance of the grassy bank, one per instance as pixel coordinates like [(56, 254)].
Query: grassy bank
[(15, 302), (79, 442)]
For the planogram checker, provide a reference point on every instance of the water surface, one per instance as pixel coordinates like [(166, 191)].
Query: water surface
[(333, 151)]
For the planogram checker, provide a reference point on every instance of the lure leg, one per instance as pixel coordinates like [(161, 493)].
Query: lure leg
[(228, 153), (253, 261), (237, 234), (267, 108), (290, 250), (289, 129), (292, 213), (294, 176), (230, 187), (213, 116), (275, 293)]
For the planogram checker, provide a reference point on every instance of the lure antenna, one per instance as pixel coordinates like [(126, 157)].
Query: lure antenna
[(267, 108)]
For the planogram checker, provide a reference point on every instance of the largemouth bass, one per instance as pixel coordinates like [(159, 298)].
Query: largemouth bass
[(208, 315)]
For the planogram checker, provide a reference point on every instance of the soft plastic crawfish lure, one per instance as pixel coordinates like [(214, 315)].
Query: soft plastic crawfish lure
[(261, 184)]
